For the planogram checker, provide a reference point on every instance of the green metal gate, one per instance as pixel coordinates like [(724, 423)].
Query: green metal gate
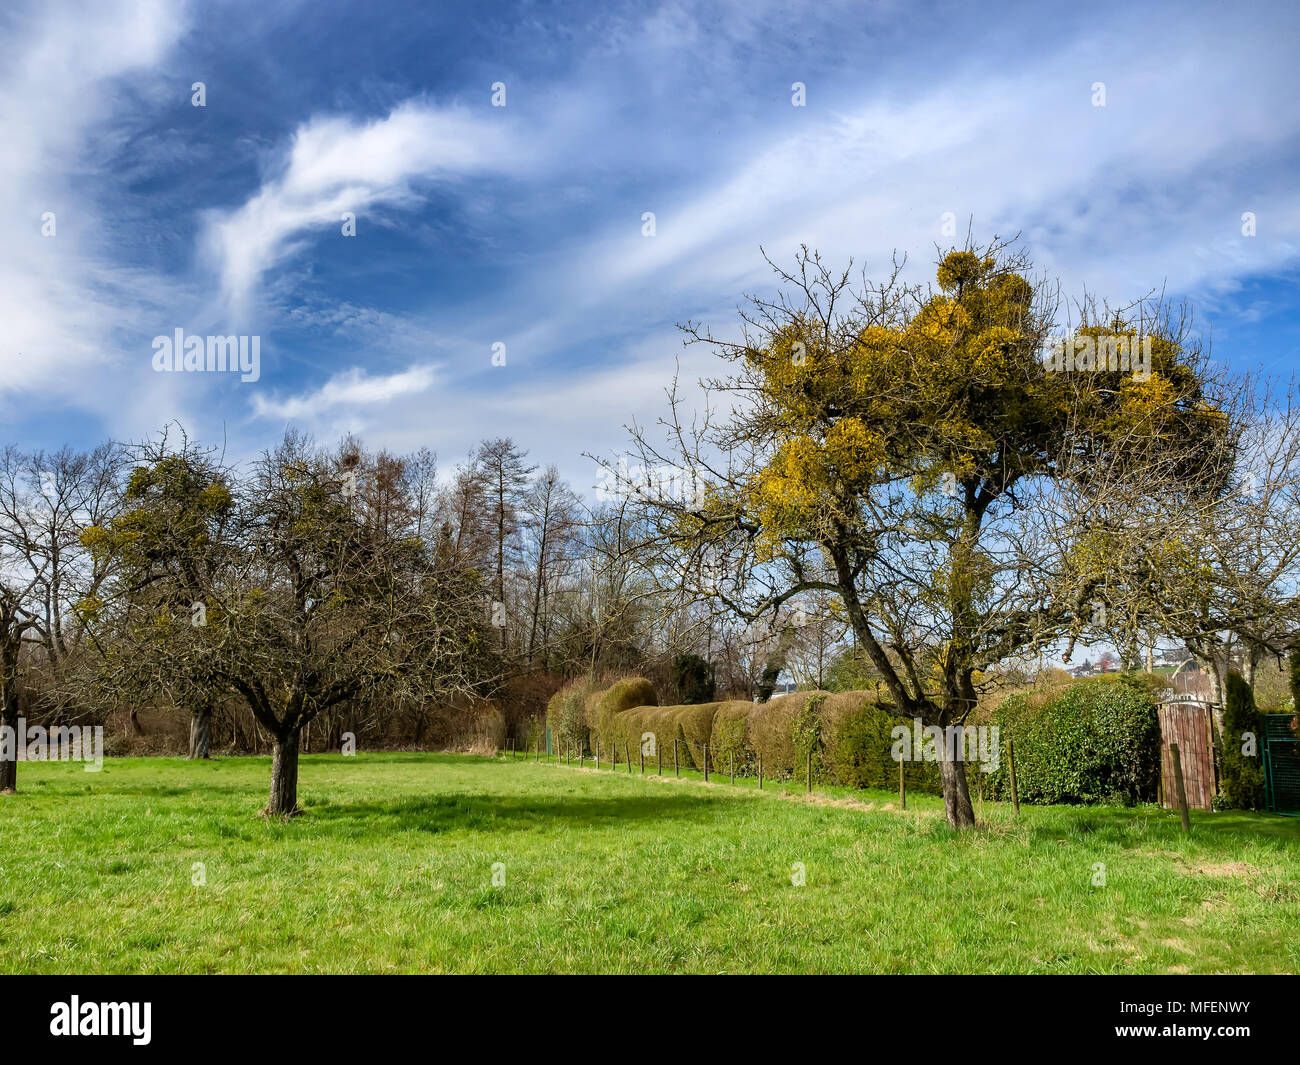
[(1282, 763)]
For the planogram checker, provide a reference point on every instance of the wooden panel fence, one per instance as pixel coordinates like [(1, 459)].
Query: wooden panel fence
[(1188, 725)]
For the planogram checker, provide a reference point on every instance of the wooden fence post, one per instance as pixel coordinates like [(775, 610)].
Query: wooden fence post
[(677, 769), (643, 761), (732, 765), (706, 763), (902, 786), (1178, 784), (659, 759), (627, 753), (1011, 765), (760, 772), (809, 770)]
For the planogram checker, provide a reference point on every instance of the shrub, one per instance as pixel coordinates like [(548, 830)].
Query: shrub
[(632, 726), (1241, 775), (566, 716), (806, 734), (693, 679), (1096, 741), (693, 727), (857, 736), (661, 723)]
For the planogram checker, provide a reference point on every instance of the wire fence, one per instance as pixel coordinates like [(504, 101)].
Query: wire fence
[(685, 756), (704, 761)]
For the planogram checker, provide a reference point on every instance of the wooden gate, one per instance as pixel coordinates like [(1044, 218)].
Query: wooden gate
[(1186, 722)]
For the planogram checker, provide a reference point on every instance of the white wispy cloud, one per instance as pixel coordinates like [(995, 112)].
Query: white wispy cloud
[(1144, 192), (351, 389), (64, 302), (1148, 189), (336, 165)]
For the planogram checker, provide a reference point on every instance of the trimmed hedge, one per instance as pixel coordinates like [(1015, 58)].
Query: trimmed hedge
[(858, 737), (1095, 741), (602, 707), (632, 726), (772, 732), (729, 744), (693, 726), (848, 733)]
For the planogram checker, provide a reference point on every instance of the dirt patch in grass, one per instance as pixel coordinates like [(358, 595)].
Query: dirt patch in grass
[(1224, 868)]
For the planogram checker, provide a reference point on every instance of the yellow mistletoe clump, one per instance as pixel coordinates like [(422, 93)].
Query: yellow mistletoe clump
[(951, 387), (804, 486), (1093, 555), (790, 487), (796, 371), (853, 452), (960, 268), (1150, 403)]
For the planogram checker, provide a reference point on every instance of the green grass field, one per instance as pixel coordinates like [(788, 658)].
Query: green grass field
[(391, 869)]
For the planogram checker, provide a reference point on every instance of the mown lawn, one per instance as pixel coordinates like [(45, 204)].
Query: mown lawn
[(392, 870)]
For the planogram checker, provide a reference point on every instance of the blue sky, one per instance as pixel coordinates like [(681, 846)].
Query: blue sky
[(522, 224)]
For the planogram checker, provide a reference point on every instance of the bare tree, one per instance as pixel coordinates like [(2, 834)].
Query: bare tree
[(898, 448), (312, 588), (504, 470), (49, 583), (551, 512)]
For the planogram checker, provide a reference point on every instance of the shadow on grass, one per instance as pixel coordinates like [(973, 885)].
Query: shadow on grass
[(493, 812), (1139, 825)]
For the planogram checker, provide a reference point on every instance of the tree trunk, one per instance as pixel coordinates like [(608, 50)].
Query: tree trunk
[(9, 767), (956, 796), (1211, 666), (200, 731), (283, 801)]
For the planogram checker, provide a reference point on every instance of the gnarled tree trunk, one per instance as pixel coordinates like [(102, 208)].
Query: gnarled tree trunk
[(283, 801), (956, 795), (200, 731)]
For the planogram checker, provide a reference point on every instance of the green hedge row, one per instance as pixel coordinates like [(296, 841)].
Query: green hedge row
[(1095, 741), (582, 718), (847, 733)]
